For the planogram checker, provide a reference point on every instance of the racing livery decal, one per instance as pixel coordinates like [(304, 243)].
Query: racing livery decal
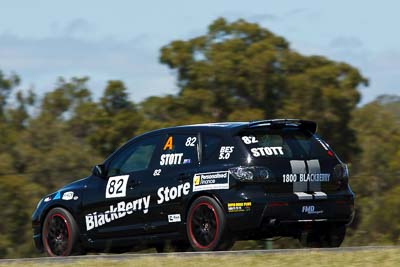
[(174, 218), (239, 206), (225, 152), (68, 195), (210, 181), (166, 194), (171, 159), (116, 186), (97, 219), (267, 151)]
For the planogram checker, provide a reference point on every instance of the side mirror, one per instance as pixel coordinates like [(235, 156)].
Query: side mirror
[(99, 171)]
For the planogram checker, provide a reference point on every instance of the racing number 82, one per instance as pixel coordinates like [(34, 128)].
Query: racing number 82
[(112, 186), (116, 186)]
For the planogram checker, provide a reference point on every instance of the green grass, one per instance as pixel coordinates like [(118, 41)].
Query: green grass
[(381, 258)]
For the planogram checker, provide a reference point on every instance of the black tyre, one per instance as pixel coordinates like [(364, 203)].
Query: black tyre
[(205, 225), (180, 246), (160, 247), (60, 233), (328, 236)]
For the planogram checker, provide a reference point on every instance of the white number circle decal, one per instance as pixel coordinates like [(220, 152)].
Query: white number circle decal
[(116, 186)]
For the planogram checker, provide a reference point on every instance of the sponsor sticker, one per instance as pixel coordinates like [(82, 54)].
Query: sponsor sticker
[(174, 218), (311, 210), (225, 152), (239, 206), (306, 177), (97, 219), (171, 159), (211, 181), (68, 195), (47, 199)]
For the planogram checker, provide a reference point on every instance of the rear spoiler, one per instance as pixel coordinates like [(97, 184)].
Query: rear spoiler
[(310, 126)]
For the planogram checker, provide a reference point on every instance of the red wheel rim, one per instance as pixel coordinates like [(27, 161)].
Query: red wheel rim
[(203, 225), (57, 235)]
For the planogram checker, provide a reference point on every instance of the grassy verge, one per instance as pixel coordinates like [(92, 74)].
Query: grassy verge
[(381, 258)]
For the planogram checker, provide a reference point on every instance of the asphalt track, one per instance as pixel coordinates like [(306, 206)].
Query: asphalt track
[(131, 256)]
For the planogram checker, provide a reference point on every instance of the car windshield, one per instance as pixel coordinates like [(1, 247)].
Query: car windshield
[(289, 142)]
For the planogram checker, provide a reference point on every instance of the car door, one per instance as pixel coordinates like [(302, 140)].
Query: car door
[(175, 163), (116, 206)]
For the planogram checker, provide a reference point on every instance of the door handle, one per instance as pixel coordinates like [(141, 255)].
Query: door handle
[(183, 177), (134, 183)]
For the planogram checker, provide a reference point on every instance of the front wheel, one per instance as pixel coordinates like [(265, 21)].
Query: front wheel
[(59, 233), (206, 225)]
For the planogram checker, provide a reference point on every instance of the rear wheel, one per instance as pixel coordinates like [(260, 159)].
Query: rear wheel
[(326, 236), (60, 233), (206, 225)]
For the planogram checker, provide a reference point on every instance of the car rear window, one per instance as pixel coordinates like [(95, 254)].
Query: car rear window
[(289, 142)]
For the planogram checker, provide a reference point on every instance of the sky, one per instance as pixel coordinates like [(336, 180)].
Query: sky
[(106, 40)]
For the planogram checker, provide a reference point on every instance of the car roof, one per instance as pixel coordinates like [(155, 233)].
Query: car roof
[(235, 127)]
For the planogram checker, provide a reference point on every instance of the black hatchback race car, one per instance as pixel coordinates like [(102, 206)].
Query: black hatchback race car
[(203, 186)]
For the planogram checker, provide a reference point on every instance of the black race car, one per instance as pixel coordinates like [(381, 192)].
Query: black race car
[(203, 187)]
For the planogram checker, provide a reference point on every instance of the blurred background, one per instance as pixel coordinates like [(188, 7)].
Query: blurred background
[(78, 79)]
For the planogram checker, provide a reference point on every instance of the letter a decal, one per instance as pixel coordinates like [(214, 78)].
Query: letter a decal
[(168, 144)]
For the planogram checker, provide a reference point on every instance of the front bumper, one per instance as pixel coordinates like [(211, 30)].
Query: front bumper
[(37, 231)]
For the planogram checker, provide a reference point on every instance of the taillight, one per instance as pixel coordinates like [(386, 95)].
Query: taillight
[(250, 174), (342, 174)]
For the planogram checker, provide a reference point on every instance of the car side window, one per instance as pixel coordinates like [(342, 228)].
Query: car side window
[(136, 157), (211, 143), (179, 149)]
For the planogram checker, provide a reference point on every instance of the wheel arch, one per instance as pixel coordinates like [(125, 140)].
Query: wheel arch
[(53, 206), (201, 194)]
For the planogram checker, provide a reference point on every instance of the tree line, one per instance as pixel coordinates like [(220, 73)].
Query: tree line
[(237, 71)]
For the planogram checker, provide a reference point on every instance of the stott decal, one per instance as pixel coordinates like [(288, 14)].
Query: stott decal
[(166, 194), (191, 141), (168, 144), (267, 151), (116, 186), (174, 218), (97, 219), (171, 159), (225, 152), (68, 195), (210, 181)]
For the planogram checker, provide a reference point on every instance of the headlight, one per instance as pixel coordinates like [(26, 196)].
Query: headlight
[(250, 174)]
